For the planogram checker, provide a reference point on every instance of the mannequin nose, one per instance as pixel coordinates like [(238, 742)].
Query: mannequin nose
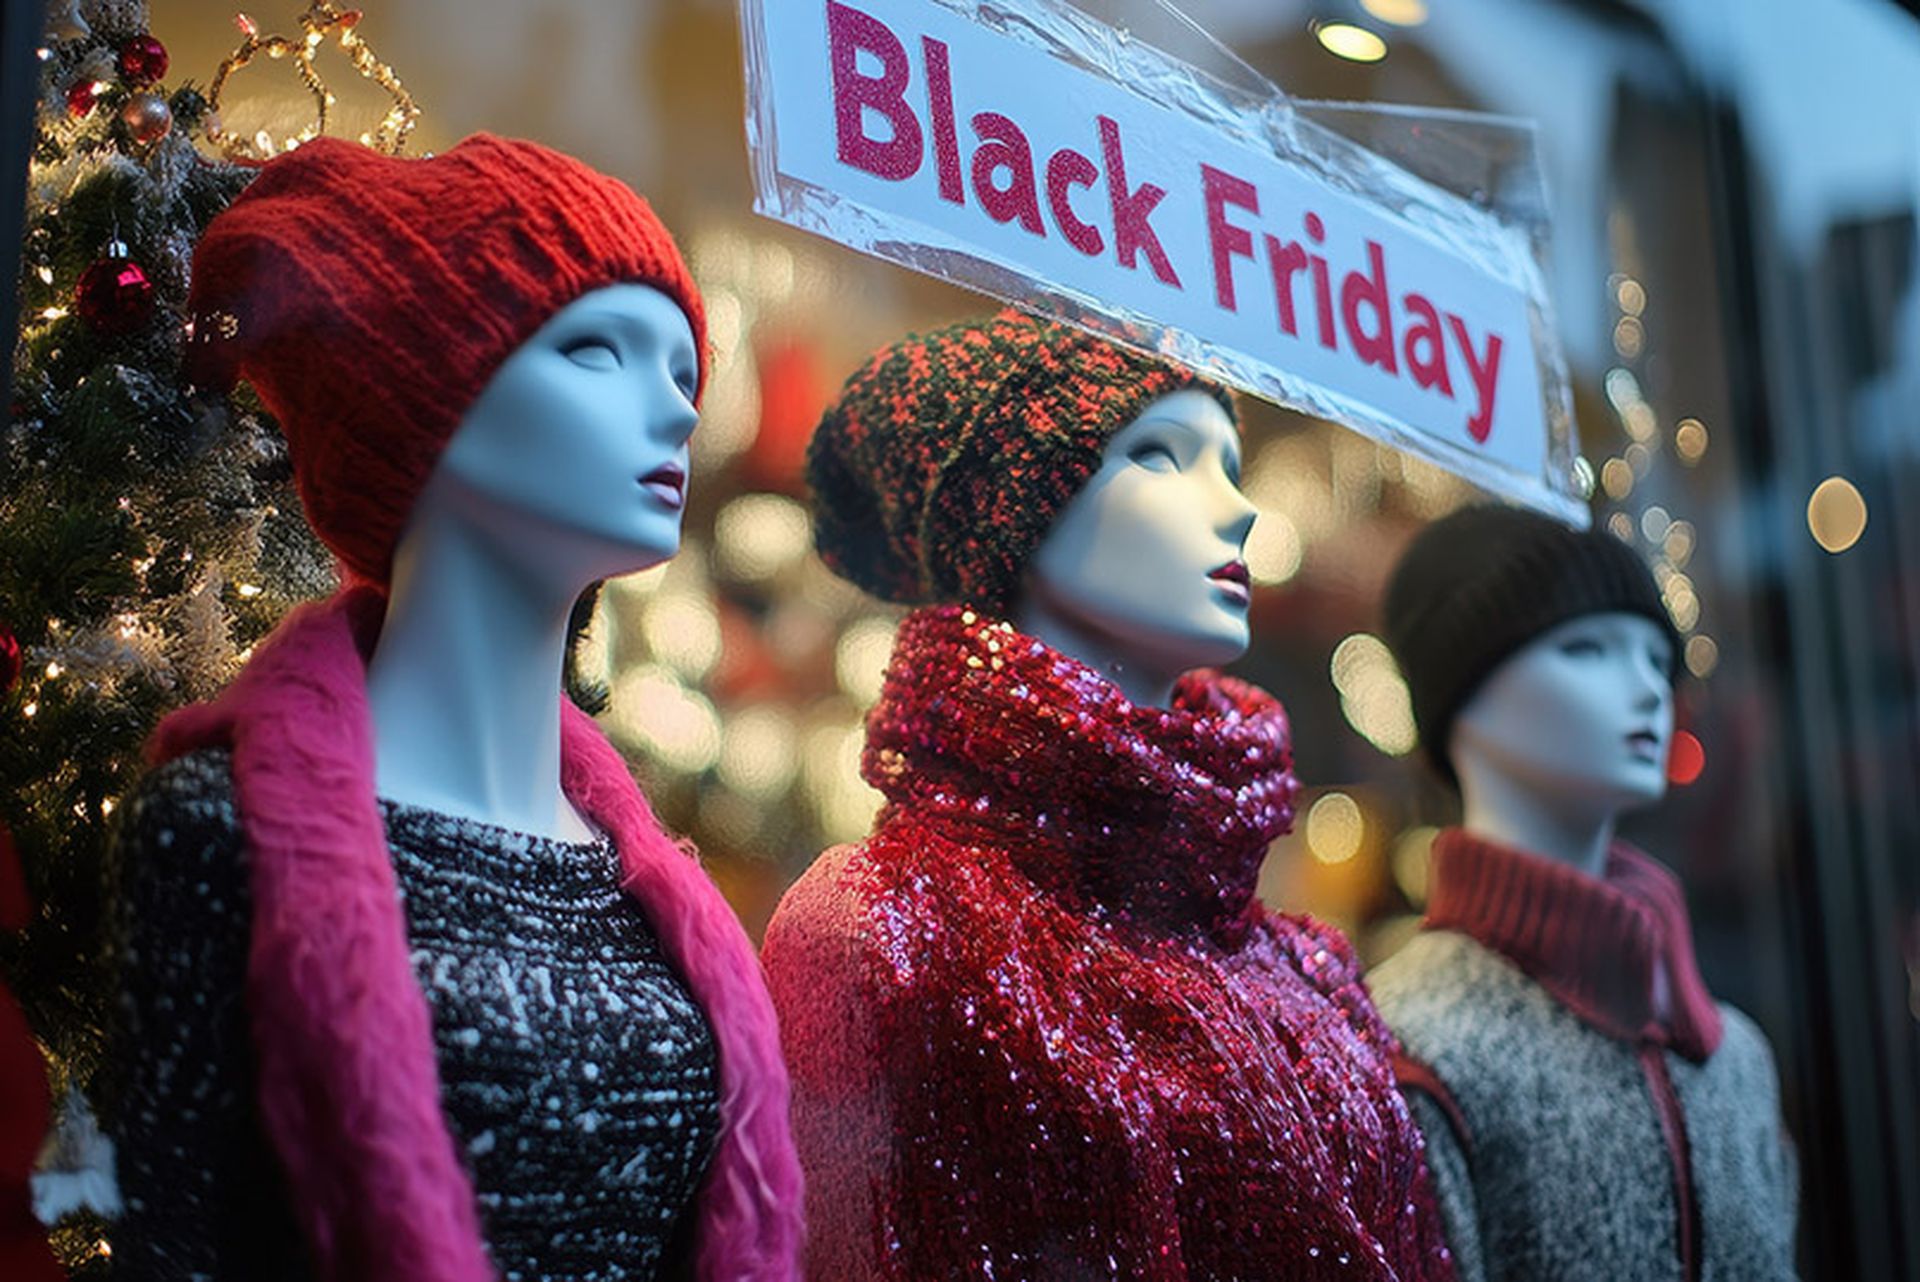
[(1652, 689), (1239, 522)]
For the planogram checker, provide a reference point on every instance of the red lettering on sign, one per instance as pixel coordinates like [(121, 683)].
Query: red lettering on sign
[(850, 31), (1322, 291), (946, 144), (1429, 370), (1132, 207), (1223, 189), (1004, 146), (1375, 348), (1284, 261), (1486, 376), (1067, 168)]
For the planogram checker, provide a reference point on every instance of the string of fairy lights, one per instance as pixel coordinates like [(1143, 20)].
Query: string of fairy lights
[(320, 22)]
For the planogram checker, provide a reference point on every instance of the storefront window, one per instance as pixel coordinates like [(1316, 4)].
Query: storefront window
[(1732, 203)]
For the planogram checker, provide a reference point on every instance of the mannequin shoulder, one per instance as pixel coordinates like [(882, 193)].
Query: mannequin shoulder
[(1444, 995), (881, 914), (1318, 951), (1744, 1053), (897, 875), (181, 821)]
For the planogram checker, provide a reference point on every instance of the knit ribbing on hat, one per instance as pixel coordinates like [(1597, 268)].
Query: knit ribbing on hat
[(947, 456), (1481, 583), (369, 299)]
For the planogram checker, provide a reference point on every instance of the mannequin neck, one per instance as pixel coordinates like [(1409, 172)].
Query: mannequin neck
[(464, 685), (1522, 816), (1143, 685)]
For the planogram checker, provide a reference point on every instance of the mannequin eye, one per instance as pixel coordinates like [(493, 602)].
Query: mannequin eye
[(592, 353), (1581, 648), (1154, 456)]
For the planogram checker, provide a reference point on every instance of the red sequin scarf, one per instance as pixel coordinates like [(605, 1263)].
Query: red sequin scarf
[(1039, 1026)]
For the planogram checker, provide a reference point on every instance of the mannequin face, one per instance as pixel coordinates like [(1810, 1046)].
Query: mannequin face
[(575, 454), (1146, 561), (1580, 718)]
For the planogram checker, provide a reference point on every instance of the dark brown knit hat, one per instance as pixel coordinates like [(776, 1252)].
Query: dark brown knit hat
[(1481, 583), (370, 298), (946, 458)]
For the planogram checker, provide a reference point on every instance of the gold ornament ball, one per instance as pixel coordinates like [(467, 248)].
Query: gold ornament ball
[(147, 117)]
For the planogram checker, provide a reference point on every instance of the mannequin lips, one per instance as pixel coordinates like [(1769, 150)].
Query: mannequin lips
[(1644, 744), (1235, 580), (667, 483)]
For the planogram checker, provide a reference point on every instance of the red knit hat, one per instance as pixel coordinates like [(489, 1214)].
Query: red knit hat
[(369, 299)]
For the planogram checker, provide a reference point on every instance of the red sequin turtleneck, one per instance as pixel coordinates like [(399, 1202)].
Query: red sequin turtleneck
[(1040, 1028)]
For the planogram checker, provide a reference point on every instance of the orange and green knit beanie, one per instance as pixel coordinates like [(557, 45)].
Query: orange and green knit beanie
[(947, 457)]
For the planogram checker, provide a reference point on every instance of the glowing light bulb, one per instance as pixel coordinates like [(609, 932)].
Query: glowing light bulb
[(1355, 44)]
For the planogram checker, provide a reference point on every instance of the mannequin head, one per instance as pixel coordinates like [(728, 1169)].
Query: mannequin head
[(1540, 661), (371, 301), (949, 457), (1580, 718), (1142, 575), (573, 460)]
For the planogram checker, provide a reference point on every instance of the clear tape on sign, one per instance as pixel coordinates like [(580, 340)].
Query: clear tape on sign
[(1176, 172)]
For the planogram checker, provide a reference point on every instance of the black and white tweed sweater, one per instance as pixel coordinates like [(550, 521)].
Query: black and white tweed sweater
[(578, 1076)]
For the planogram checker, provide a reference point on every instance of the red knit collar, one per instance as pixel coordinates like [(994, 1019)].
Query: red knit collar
[(1156, 813), (1599, 946)]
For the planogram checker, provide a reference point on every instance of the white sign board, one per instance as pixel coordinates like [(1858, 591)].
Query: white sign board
[(1020, 165)]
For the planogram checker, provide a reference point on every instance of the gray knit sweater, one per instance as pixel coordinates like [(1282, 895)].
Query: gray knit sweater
[(1550, 1160)]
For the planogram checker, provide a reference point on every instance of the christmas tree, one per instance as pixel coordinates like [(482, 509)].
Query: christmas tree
[(149, 533)]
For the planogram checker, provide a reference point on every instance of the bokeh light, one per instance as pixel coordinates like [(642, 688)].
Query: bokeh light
[(1408, 861), (1335, 828), (1690, 440), (1373, 696), (1703, 655), (1355, 44), (1274, 551), (757, 536), (1836, 514), (1687, 760), (1401, 13), (860, 659)]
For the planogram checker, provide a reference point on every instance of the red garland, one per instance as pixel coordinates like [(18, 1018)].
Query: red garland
[(1039, 1026)]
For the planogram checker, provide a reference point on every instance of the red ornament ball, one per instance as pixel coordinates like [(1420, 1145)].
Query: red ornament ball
[(82, 94), (147, 117), (114, 296), (143, 60), (9, 658)]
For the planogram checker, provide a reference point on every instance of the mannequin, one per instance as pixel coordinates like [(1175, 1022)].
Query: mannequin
[(1141, 577), (1590, 1111), (1570, 731), (510, 528), (460, 1008), (1038, 1025)]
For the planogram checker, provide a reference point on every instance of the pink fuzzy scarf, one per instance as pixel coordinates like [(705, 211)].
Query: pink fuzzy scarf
[(349, 1086)]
